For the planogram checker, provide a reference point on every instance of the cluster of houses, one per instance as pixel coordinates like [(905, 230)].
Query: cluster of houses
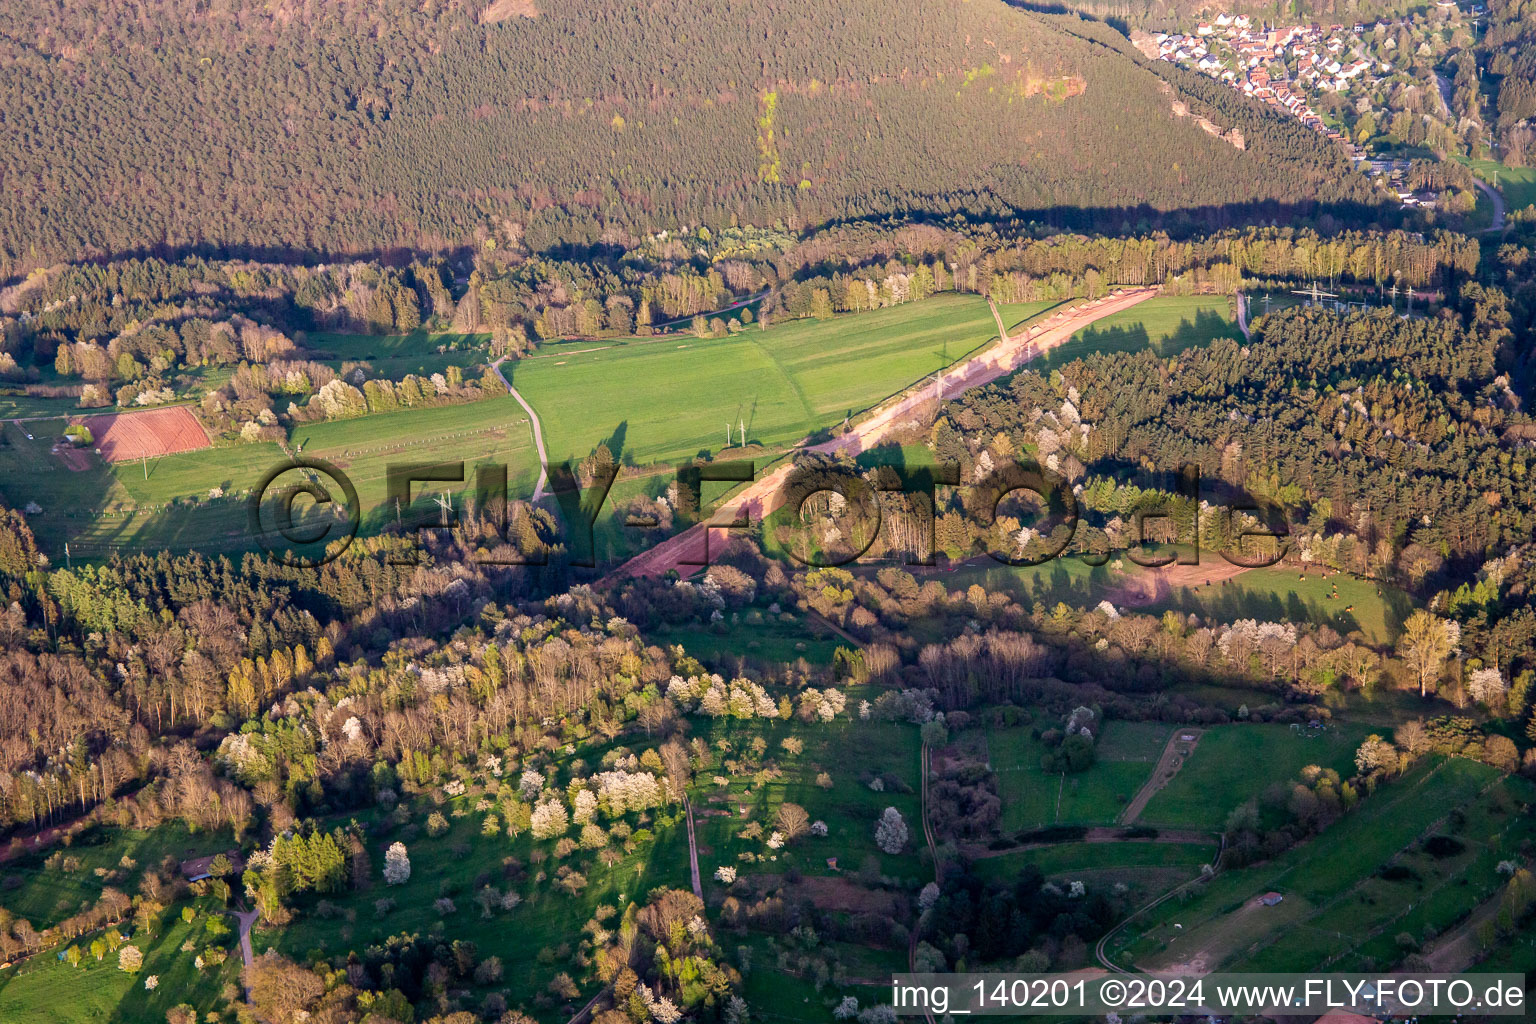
[(1277, 65), (1394, 174)]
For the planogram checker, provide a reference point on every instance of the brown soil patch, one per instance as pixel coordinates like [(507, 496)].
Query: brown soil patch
[(135, 435), (76, 460), (829, 892), (1227, 934), (501, 10), (1154, 584)]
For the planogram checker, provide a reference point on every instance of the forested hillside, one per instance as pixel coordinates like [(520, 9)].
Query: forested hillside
[(1185, 13), (331, 129)]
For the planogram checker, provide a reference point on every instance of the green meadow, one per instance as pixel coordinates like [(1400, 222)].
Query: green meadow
[(171, 502), (1067, 859), (669, 398), (395, 355), (1233, 764), (47, 990), (1167, 324), (1287, 594), (44, 888), (1350, 893), (1032, 798), (850, 805), (1516, 184)]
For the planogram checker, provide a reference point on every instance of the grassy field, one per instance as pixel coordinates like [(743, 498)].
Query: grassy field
[(21, 404), (46, 990), (1167, 324), (395, 355), (850, 807), (534, 940), (1517, 184), (1282, 595), (541, 935), (1031, 798), (1236, 763), (654, 400), (1278, 594), (1016, 313), (1340, 909), (494, 431), (47, 895), (755, 634), (167, 503)]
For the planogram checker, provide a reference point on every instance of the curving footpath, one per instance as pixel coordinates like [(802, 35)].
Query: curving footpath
[(538, 431), (689, 551)]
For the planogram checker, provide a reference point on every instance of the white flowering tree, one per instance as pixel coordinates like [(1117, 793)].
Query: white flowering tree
[(891, 831), (549, 820), (397, 865), (585, 806), (1487, 686)]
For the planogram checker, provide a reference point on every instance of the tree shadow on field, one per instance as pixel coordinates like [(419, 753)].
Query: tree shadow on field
[(1232, 602), (1206, 327), (615, 441)]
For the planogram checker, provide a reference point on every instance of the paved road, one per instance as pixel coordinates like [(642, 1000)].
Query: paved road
[(246, 919), (1242, 315), (1498, 205), (689, 550), (1445, 97), (538, 431)]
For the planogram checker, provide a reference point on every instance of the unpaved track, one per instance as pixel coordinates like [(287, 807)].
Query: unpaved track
[(923, 762), (691, 549), (538, 431), (1103, 834), (1167, 767), (693, 851)]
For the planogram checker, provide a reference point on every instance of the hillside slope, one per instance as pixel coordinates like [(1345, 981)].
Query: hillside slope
[(353, 127)]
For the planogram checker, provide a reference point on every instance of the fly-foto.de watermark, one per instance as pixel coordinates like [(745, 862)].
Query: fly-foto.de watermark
[(1395, 995), (307, 511)]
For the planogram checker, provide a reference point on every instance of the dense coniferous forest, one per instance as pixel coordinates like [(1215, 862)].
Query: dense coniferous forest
[(579, 125), (1399, 447)]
